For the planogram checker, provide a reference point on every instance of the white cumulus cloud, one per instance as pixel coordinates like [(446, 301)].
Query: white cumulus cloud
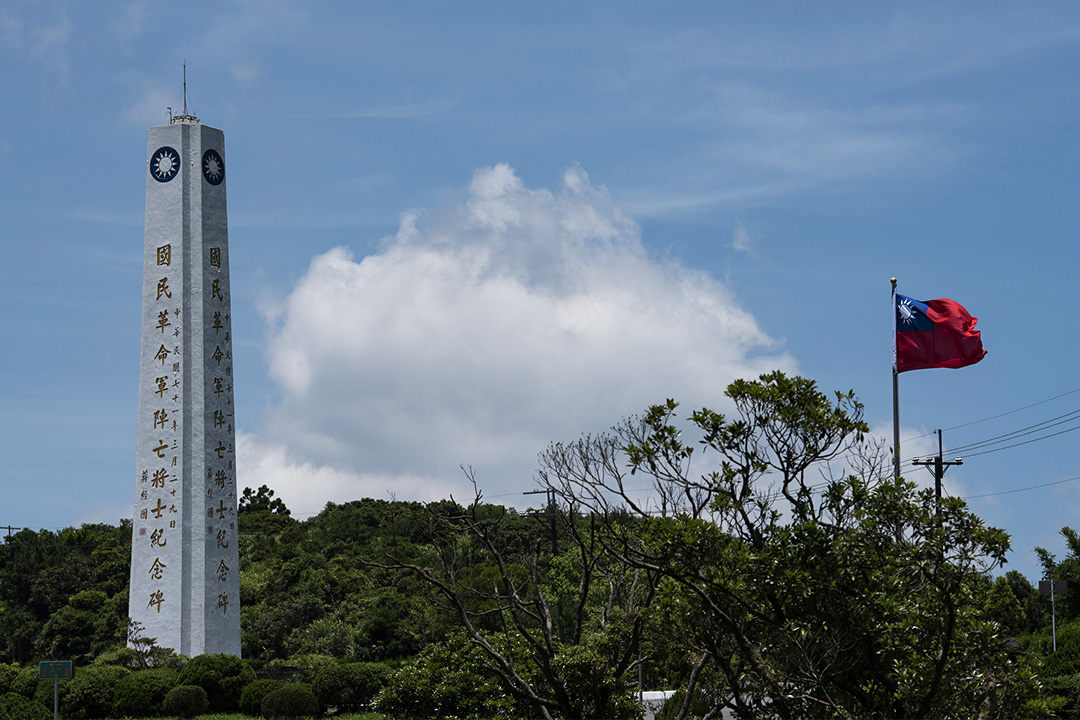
[(480, 334)]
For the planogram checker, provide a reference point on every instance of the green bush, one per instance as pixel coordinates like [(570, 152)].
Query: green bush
[(7, 677), (307, 666), (146, 657), (43, 693), (291, 701), (26, 682), (89, 694), (222, 676), (142, 693), (14, 706), (350, 687), (186, 701), (446, 679), (251, 699)]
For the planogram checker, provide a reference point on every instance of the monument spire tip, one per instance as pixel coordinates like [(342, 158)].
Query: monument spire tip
[(183, 117)]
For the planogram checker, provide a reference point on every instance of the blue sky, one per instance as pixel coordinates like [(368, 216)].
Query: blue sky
[(459, 231)]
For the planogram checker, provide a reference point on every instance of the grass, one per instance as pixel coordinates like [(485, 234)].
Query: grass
[(241, 716)]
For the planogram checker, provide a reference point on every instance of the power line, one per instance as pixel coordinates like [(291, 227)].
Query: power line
[(1030, 487), (1028, 430), (1026, 442), (1010, 412), (995, 417)]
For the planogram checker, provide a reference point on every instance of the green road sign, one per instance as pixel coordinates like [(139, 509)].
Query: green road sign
[(55, 670)]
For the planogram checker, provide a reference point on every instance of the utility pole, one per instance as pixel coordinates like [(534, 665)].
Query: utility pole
[(940, 465), (550, 493), (1053, 588), (10, 536)]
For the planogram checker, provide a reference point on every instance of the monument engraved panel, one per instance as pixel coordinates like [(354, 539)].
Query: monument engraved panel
[(184, 552)]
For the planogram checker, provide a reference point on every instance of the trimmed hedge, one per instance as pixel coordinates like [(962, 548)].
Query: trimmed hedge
[(251, 699), (291, 701), (350, 687), (186, 701), (89, 694), (142, 693), (222, 676)]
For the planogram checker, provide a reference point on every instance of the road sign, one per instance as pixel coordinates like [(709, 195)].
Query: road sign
[(55, 670), (1061, 587)]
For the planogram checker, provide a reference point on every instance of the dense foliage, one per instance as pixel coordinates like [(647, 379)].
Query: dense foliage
[(90, 694), (16, 707), (350, 687), (142, 693), (223, 677), (186, 701), (291, 701), (777, 572), (251, 699)]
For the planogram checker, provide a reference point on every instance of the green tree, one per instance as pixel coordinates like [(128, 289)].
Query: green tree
[(447, 679), (46, 573), (563, 637), (1068, 569), (88, 624), (804, 585)]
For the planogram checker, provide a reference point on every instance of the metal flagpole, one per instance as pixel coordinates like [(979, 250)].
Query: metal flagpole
[(895, 391)]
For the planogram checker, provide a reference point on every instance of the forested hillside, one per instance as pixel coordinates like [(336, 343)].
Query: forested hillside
[(304, 589)]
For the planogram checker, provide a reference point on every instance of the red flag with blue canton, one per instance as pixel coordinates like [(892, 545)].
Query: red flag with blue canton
[(935, 334)]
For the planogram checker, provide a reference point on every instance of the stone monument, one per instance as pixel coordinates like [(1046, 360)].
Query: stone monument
[(184, 556)]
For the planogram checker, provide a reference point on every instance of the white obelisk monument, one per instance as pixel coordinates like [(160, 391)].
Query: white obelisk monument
[(184, 555)]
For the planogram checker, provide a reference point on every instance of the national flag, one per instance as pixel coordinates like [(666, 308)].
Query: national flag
[(935, 334)]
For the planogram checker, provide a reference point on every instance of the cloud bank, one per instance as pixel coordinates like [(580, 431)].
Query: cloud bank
[(479, 334)]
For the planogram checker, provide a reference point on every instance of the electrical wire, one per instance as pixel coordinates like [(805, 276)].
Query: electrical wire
[(994, 417), (1052, 422), (1030, 487)]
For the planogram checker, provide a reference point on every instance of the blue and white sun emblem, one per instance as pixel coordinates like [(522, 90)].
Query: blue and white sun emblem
[(213, 167), (164, 164), (907, 312)]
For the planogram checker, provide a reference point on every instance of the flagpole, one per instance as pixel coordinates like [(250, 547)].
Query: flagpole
[(895, 391)]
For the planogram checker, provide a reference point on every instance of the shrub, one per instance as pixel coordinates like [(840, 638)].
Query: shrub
[(7, 676), (43, 693), (142, 693), (141, 658), (14, 706), (350, 687), (26, 682), (89, 694), (222, 676), (307, 666), (251, 699), (291, 701), (186, 701), (446, 679)]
